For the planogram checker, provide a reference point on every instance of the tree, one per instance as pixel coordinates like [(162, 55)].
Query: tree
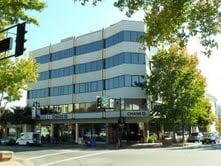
[(14, 77), (168, 21), (176, 82), (17, 116), (201, 115), (13, 11)]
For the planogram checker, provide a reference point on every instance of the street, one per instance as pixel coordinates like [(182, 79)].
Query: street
[(194, 155)]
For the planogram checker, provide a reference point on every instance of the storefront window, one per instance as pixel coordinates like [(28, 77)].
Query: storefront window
[(76, 107), (91, 107), (70, 107), (82, 107), (135, 104)]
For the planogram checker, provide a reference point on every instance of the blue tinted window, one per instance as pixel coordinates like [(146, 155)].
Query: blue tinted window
[(127, 58), (116, 60), (127, 36), (82, 87), (121, 58), (43, 75), (94, 86), (133, 36), (100, 85), (135, 80), (62, 54), (88, 67), (141, 79), (134, 58), (121, 81), (43, 59), (62, 72), (127, 80), (38, 93), (111, 83), (61, 90), (89, 47), (77, 89), (116, 82), (141, 58)]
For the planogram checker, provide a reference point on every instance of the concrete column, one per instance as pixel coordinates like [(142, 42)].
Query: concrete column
[(52, 131), (107, 133), (146, 131), (76, 132)]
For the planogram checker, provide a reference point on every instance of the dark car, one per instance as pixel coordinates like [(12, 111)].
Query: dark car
[(196, 137), (8, 141), (209, 138)]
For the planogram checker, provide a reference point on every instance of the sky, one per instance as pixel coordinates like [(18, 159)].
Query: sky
[(62, 19)]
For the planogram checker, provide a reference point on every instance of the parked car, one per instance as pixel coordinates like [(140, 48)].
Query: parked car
[(29, 138), (196, 137), (212, 137), (8, 141)]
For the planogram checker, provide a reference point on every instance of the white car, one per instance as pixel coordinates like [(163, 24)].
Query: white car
[(212, 137), (29, 138)]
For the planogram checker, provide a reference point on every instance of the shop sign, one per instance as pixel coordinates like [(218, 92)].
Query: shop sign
[(59, 116), (136, 113)]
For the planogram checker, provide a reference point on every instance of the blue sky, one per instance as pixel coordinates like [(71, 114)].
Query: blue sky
[(62, 19)]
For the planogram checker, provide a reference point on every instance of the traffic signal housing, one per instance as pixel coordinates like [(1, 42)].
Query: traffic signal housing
[(20, 39), (99, 102)]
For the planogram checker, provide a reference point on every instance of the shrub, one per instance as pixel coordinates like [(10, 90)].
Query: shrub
[(152, 138)]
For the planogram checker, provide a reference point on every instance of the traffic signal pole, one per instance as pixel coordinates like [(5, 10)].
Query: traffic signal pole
[(20, 40)]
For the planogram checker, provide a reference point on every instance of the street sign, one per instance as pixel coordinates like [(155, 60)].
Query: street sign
[(112, 103), (105, 102)]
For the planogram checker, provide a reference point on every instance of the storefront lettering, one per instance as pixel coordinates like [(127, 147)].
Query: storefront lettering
[(135, 113), (59, 116)]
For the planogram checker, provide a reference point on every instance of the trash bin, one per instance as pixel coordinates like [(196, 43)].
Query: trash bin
[(93, 143)]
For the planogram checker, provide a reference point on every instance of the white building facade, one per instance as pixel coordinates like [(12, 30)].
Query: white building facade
[(109, 62)]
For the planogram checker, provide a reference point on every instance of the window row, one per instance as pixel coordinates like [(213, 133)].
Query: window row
[(38, 93), (61, 72), (127, 104), (61, 90), (45, 75), (128, 57), (124, 81), (89, 87), (62, 54), (131, 36), (89, 67), (91, 47), (115, 82)]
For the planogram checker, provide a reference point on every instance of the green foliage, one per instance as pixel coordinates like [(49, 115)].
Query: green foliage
[(169, 21), (201, 114), (13, 11), (218, 126), (176, 82), (152, 138), (18, 116), (14, 77)]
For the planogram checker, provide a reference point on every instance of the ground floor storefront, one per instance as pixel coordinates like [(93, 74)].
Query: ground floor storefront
[(108, 133)]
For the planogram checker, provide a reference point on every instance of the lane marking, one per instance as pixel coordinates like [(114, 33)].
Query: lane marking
[(75, 158), (52, 154)]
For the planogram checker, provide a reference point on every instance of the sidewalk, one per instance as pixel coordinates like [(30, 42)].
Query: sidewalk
[(16, 162)]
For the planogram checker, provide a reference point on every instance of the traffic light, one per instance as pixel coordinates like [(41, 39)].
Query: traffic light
[(20, 39), (99, 102), (6, 44)]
